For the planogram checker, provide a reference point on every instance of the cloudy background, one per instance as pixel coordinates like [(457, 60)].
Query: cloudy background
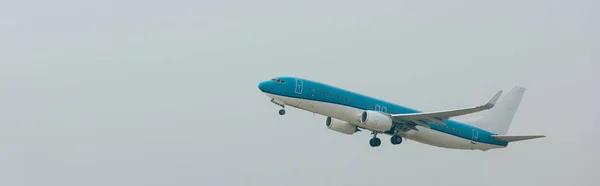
[(164, 92)]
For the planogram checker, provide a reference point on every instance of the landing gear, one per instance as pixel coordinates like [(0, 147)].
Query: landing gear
[(375, 142), (282, 111), (395, 139)]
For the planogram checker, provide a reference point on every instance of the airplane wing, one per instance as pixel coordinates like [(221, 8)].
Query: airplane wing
[(439, 116)]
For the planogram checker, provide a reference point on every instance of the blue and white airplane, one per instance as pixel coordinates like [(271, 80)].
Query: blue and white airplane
[(348, 112)]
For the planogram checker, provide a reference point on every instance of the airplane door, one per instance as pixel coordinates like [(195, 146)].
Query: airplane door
[(475, 136), (298, 90), (299, 86)]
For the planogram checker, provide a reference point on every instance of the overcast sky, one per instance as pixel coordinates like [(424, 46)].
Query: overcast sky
[(165, 92)]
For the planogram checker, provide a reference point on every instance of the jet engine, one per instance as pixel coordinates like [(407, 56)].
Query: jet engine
[(376, 121), (340, 126)]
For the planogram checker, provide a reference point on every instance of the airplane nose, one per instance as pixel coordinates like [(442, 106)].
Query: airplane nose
[(262, 86)]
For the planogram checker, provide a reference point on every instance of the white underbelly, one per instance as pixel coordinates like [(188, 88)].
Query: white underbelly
[(341, 112), (352, 115)]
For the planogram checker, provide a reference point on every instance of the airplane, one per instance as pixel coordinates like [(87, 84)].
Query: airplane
[(349, 112)]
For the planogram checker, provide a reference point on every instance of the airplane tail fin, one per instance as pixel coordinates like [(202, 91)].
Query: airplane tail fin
[(498, 119)]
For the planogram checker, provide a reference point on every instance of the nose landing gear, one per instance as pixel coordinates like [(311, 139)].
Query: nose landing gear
[(276, 102)]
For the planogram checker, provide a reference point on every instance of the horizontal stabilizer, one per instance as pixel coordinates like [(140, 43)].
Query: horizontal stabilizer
[(515, 138)]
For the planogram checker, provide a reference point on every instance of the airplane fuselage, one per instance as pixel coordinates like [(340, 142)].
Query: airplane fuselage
[(347, 106)]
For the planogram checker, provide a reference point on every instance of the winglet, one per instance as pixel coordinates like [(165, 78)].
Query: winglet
[(493, 101)]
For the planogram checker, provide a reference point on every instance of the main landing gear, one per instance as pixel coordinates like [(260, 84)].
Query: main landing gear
[(375, 141), (395, 139), (282, 111)]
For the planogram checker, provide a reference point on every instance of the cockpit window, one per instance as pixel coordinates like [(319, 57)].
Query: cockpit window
[(278, 80)]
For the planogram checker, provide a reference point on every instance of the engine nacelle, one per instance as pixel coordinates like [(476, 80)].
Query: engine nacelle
[(340, 126), (376, 121)]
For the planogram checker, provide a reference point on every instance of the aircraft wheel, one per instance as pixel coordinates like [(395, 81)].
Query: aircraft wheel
[(395, 139), (281, 112), (375, 142)]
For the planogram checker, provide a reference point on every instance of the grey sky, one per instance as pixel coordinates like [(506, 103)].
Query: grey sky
[(164, 93)]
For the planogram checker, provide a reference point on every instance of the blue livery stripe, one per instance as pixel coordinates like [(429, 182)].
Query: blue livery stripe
[(314, 91)]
